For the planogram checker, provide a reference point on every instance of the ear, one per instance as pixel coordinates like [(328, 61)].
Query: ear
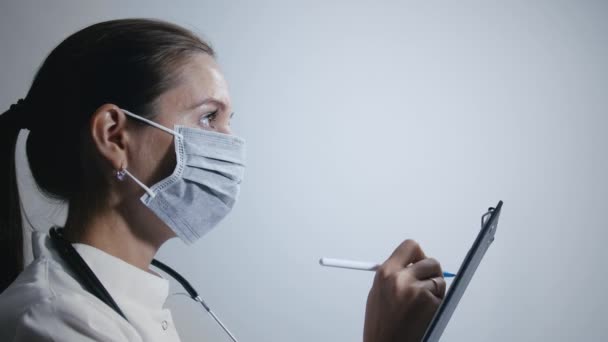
[(109, 135)]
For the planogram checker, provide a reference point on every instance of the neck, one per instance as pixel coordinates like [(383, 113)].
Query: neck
[(110, 231)]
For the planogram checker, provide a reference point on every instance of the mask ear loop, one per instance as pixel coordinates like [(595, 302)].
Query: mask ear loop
[(120, 175), (142, 185), (152, 123), (124, 171)]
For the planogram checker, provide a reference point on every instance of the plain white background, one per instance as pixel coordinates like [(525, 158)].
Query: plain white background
[(371, 122)]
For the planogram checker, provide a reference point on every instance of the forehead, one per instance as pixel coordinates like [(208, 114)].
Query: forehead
[(200, 78)]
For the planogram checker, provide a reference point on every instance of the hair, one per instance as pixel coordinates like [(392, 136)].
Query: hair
[(128, 62)]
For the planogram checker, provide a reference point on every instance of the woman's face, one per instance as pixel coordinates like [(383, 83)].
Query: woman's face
[(201, 100)]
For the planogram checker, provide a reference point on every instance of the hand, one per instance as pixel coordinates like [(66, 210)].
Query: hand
[(403, 298)]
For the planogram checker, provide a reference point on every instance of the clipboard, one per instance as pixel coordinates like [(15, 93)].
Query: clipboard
[(484, 239)]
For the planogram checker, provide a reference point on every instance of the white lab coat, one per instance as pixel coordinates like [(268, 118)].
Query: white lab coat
[(46, 302)]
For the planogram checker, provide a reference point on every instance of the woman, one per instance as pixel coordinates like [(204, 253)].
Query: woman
[(130, 125)]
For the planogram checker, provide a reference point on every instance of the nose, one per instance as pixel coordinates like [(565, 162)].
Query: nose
[(224, 129)]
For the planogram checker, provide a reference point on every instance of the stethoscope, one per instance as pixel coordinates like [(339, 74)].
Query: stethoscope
[(92, 284)]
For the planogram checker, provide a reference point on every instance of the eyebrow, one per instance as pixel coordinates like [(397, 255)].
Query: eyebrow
[(208, 100)]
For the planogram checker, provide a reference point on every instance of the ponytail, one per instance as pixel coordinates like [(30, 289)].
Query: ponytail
[(11, 234)]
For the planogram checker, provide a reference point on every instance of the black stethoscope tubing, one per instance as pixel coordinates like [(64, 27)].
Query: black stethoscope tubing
[(91, 283)]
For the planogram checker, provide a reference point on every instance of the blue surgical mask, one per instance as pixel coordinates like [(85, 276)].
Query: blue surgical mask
[(205, 184)]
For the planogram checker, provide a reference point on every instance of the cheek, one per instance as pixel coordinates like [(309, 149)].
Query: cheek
[(157, 157), (166, 163)]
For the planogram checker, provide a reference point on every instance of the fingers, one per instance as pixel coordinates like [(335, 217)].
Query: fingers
[(406, 253), (435, 285), (431, 276), (426, 268)]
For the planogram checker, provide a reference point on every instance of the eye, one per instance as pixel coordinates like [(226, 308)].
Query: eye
[(207, 119)]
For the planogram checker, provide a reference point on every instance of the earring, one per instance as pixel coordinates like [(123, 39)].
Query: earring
[(120, 173)]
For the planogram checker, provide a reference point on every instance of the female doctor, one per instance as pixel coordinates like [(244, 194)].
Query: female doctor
[(129, 124)]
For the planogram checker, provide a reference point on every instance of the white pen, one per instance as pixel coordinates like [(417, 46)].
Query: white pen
[(359, 265)]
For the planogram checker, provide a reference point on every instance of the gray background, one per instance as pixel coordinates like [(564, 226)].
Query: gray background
[(372, 122)]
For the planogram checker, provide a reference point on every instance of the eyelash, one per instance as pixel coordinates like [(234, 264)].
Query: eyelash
[(210, 117)]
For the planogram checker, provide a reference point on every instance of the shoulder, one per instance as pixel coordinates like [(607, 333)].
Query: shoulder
[(71, 318), (46, 304)]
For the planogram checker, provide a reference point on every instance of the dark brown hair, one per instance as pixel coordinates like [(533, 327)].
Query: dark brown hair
[(129, 63)]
